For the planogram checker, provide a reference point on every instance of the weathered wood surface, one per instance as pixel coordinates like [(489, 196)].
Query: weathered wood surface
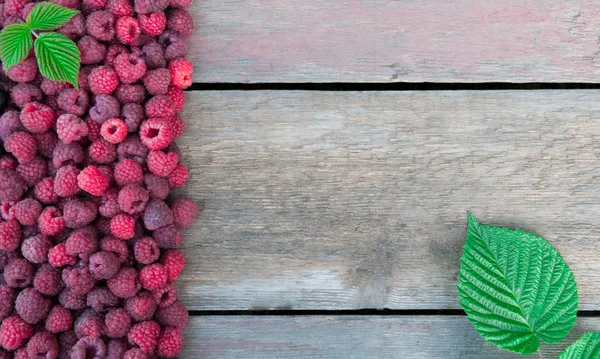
[(396, 41), (343, 337), (343, 200)]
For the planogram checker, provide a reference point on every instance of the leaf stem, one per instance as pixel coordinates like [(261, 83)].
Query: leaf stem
[(35, 34), (540, 353)]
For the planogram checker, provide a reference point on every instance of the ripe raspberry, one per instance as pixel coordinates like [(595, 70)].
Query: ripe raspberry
[(22, 94), (149, 6), (47, 280), (22, 145), (75, 102), (25, 71), (154, 55), (127, 29), (153, 276), (115, 246), (161, 163), (129, 67), (119, 7), (29, 231), (170, 342), (101, 299), (127, 93), (175, 315), (132, 148), (125, 284), (32, 306), (181, 72), (82, 243), (103, 80), (168, 237), (101, 25), (35, 249), (12, 186), (133, 115), (104, 265), (58, 256), (27, 211), (9, 124), (109, 207), (155, 134), (135, 353), (78, 278), (146, 250), (141, 307), (182, 22), (93, 129), (177, 97), (10, 235), (157, 214), (114, 51), (46, 142), (32, 172), (145, 335), (93, 181), (92, 52), (157, 82), (5, 258), (78, 213), (161, 107), (114, 130), (117, 323), (122, 226), (102, 151), (89, 347), (14, 331), (153, 24), (59, 320), (132, 198), (158, 187), (73, 4), (173, 261), (82, 79), (105, 107), (70, 128), (115, 349), (14, 7), (8, 162), (180, 3), (7, 299), (65, 181), (70, 299), (50, 87), (95, 4), (67, 154), (37, 117), (178, 177), (19, 273), (89, 324), (165, 296), (42, 345), (174, 44)]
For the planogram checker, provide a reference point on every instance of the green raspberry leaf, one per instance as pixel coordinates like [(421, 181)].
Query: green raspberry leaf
[(58, 57), (587, 347), (15, 44), (515, 288), (49, 16)]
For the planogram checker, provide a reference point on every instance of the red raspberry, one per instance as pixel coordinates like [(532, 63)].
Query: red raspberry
[(135, 353), (165, 296), (125, 284), (122, 226), (154, 55), (117, 323), (14, 7), (93, 181), (170, 342), (75, 102), (157, 82), (146, 250), (35, 249), (67, 154), (101, 25), (46, 143), (180, 3), (22, 94), (158, 187), (101, 299), (104, 265), (116, 348), (182, 22), (157, 214), (103, 80), (6, 257), (177, 97), (32, 172), (155, 134), (127, 29), (114, 51), (7, 300), (132, 148), (88, 347), (10, 235), (27, 211), (145, 335), (92, 52), (75, 28), (173, 261), (32, 306), (133, 115), (65, 181), (78, 279), (153, 276), (6, 210), (70, 299), (161, 163), (59, 320), (8, 162), (109, 206), (12, 186), (70, 128), (119, 7), (78, 213), (95, 4), (47, 280), (127, 93), (129, 67), (89, 324), (9, 124), (178, 177), (82, 243), (114, 130), (37, 117), (115, 246), (181, 72), (175, 315), (161, 107), (175, 46), (93, 129), (149, 6), (51, 221), (14, 331), (132, 199), (102, 151), (19, 273), (141, 307), (153, 24), (42, 345), (58, 256), (168, 237), (73, 4), (50, 87), (105, 107), (22, 145), (25, 71)]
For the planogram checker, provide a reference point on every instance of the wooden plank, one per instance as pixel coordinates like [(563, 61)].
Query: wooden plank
[(343, 200), (395, 41), (344, 337)]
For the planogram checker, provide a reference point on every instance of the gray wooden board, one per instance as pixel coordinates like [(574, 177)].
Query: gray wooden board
[(349, 337), (345, 200)]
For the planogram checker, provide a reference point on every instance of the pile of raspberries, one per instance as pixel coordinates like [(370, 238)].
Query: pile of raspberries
[(89, 235)]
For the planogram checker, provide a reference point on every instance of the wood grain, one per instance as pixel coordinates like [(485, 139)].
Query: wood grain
[(344, 337), (396, 41), (344, 200)]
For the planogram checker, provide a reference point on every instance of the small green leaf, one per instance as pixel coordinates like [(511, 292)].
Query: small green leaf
[(49, 16), (58, 57), (587, 347), (515, 288), (15, 44)]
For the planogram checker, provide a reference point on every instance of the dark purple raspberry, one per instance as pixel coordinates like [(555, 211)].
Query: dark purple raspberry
[(92, 51), (89, 348), (46, 143), (174, 45), (70, 299), (47, 280), (133, 115), (175, 315), (19, 273), (78, 278), (64, 155), (109, 207), (181, 21), (154, 54), (131, 148), (101, 25), (104, 265), (105, 107), (9, 124), (66, 341), (89, 324), (42, 345), (35, 249), (101, 299), (157, 214), (158, 187), (7, 301), (130, 93), (12, 186), (117, 323), (116, 349), (32, 306), (150, 6), (78, 213)]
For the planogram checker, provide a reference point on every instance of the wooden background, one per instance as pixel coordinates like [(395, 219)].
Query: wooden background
[(319, 204)]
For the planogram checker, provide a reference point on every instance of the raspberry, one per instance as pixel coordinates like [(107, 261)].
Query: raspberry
[(22, 94), (154, 55), (66, 341), (7, 299), (155, 134), (73, 4), (93, 129), (122, 226), (19, 273), (12, 186), (58, 256), (102, 151), (82, 79), (141, 307), (74, 28), (9, 124), (10, 235), (70, 128), (161, 163), (127, 93), (129, 67), (101, 299), (70, 299), (8, 162), (46, 142), (170, 342), (114, 130), (92, 52), (115, 246), (95, 4), (114, 51), (42, 345), (180, 3), (78, 213), (146, 250), (51, 221), (135, 353), (50, 87), (125, 284), (161, 107), (32, 306), (132, 148), (178, 177), (153, 24), (47, 280), (59, 320), (181, 21), (93, 181), (133, 115), (157, 82), (103, 80), (101, 25), (88, 324), (37, 117), (27, 211), (181, 72), (175, 46), (158, 187), (104, 265), (132, 198), (149, 6), (78, 278), (175, 315), (67, 154), (32, 172), (173, 261), (109, 207), (119, 7), (35, 249), (14, 7), (6, 257), (14, 331), (177, 97), (168, 237), (22, 145), (6, 210), (127, 29), (117, 323), (25, 71), (65, 181), (153, 276), (145, 335), (106, 107), (74, 101), (89, 347), (82, 243), (165, 296), (157, 214)]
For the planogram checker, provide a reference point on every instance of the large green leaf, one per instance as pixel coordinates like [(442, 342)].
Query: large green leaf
[(48, 16), (15, 44), (587, 347), (58, 57), (515, 288)]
